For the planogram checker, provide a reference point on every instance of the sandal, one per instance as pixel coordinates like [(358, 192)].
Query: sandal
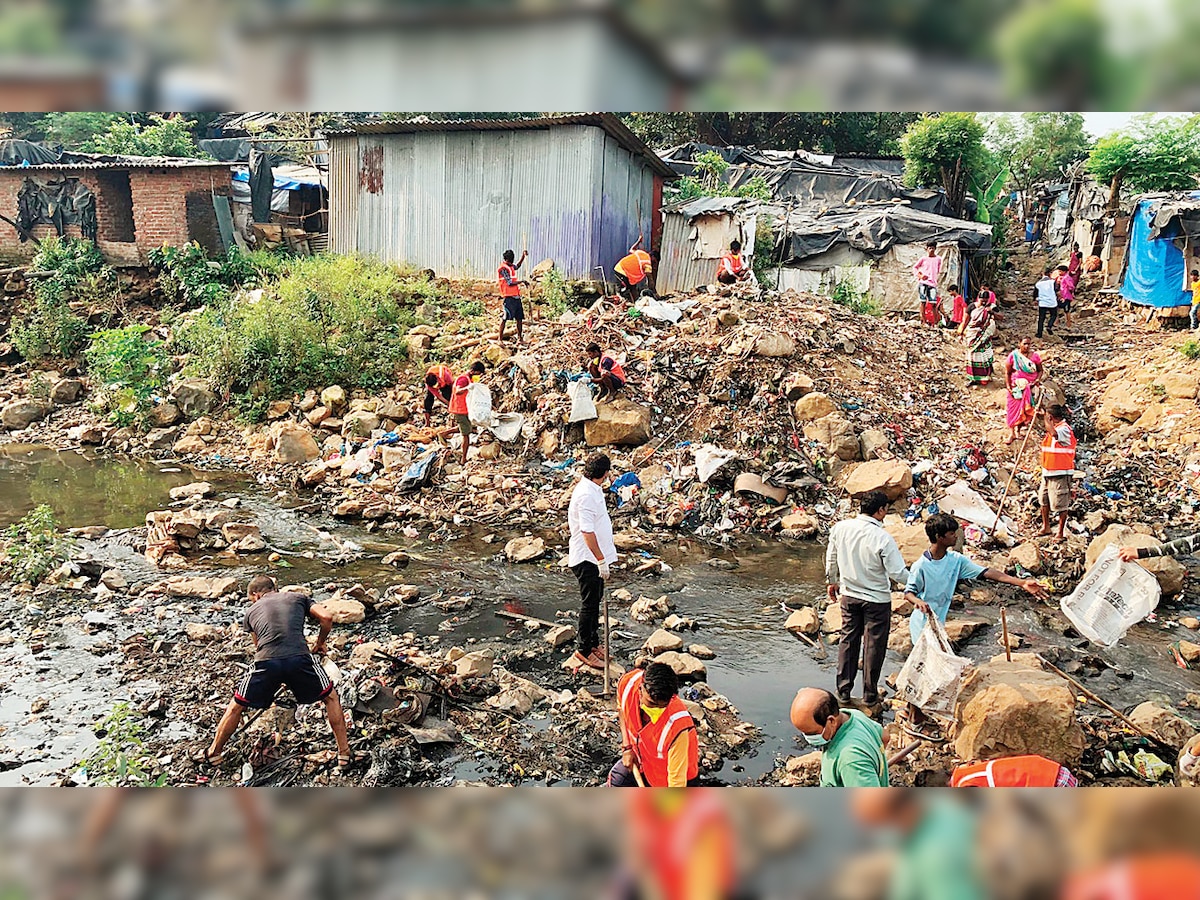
[(216, 760), (344, 763), (926, 731)]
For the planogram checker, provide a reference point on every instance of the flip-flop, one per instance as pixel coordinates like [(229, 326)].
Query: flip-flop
[(216, 761), (919, 732)]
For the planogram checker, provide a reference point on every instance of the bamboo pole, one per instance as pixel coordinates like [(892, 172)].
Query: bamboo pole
[(1004, 628), (1096, 699), (1017, 463)]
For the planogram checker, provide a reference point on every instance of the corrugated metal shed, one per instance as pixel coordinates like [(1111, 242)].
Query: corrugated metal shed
[(453, 196)]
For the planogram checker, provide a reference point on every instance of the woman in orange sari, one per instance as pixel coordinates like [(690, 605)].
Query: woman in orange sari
[(1022, 370)]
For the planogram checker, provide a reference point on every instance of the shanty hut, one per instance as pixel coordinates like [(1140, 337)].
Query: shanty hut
[(452, 195)]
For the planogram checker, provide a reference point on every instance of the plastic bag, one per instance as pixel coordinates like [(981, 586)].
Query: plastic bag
[(507, 426), (1112, 597), (932, 674), (709, 459), (419, 474), (583, 407), (479, 405), (965, 503)]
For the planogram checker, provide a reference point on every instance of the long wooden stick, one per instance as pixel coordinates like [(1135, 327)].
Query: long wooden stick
[(904, 753), (1017, 463), (1096, 699), (1004, 628)]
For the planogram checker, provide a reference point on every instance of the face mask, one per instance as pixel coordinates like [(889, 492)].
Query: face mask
[(474, 378), (654, 712), (1188, 765), (816, 740)]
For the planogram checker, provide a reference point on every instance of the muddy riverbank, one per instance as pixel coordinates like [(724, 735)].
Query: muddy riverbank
[(70, 655)]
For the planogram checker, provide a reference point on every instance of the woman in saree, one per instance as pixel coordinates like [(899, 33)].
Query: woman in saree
[(1022, 370), (978, 329)]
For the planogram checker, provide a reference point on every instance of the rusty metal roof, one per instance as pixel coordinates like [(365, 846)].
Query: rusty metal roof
[(612, 125)]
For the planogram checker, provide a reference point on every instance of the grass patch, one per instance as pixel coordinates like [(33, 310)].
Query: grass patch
[(328, 320), (1190, 348), (34, 547), (844, 293)]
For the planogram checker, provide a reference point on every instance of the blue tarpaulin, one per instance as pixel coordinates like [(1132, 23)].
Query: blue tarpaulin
[(1154, 269)]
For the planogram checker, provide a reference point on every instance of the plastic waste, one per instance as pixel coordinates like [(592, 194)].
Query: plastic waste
[(419, 474), (962, 502), (583, 407), (709, 459), (479, 405), (1112, 597), (932, 674), (506, 426)]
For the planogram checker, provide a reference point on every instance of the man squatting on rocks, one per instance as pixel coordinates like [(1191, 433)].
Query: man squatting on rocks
[(276, 620), (439, 387), (861, 563), (458, 405), (658, 734), (591, 553), (851, 745), (605, 371)]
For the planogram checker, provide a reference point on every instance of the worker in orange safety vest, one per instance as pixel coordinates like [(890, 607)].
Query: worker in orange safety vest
[(604, 371), (510, 293), (680, 846), (659, 747), (633, 271), (439, 383), (1058, 468), (1014, 771), (732, 268), (1161, 876)]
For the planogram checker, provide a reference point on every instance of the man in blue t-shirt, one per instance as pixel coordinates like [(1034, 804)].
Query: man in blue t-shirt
[(933, 579)]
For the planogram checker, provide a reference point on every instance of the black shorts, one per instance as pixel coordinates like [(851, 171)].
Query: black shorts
[(429, 401), (303, 675), (513, 309)]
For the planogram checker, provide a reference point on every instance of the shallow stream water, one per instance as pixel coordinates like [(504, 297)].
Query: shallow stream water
[(758, 666)]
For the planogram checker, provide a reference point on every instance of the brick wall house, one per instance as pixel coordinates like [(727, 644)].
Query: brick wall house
[(139, 206)]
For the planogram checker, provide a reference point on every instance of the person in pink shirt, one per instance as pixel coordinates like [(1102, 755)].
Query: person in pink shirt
[(1067, 283), (928, 271)]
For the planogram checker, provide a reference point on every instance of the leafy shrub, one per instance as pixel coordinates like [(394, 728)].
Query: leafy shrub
[(764, 259), (330, 319), (34, 547), (187, 276), (1190, 348), (554, 294), (470, 309), (844, 293), (49, 328), (121, 757), (162, 137), (131, 370)]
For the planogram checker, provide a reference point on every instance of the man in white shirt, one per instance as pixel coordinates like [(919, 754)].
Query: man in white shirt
[(1046, 292), (591, 554), (860, 565)]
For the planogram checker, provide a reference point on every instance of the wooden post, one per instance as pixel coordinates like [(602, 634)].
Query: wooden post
[(1017, 462), (1004, 629)]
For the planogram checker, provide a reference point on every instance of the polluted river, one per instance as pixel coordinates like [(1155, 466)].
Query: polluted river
[(61, 660)]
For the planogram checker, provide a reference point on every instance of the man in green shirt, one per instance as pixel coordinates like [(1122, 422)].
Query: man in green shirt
[(937, 849), (851, 745)]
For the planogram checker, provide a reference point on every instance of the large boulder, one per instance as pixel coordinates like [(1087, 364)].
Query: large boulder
[(1180, 385), (874, 442), (1163, 723), (661, 642), (345, 610), (525, 549), (195, 398), (22, 413), (891, 476), (164, 415), (911, 539), (619, 422), (686, 666), (334, 397), (1169, 571), (797, 385), (66, 390), (204, 588), (803, 621), (773, 344), (360, 423), (813, 406), (1121, 404), (835, 434), (293, 444), (1015, 709)]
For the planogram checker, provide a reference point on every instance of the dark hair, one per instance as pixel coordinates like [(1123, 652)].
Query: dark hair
[(592, 348), (932, 778), (735, 245), (596, 466), (1049, 269), (431, 380), (873, 502), (661, 682), (260, 584), (1057, 412), (509, 256), (478, 366), (827, 709), (654, 255), (983, 294), (940, 525), (931, 246)]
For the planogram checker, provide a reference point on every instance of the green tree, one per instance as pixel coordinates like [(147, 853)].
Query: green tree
[(163, 136), (1058, 51), (1154, 155), (946, 150), (1037, 146), (866, 134), (77, 129)]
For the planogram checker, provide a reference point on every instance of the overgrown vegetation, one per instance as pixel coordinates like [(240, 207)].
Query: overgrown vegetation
[(1190, 348), (764, 259), (329, 319), (121, 758), (189, 278), (50, 328), (554, 295), (709, 181), (845, 293), (34, 547), (162, 136), (130, 370), (946, 150)]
